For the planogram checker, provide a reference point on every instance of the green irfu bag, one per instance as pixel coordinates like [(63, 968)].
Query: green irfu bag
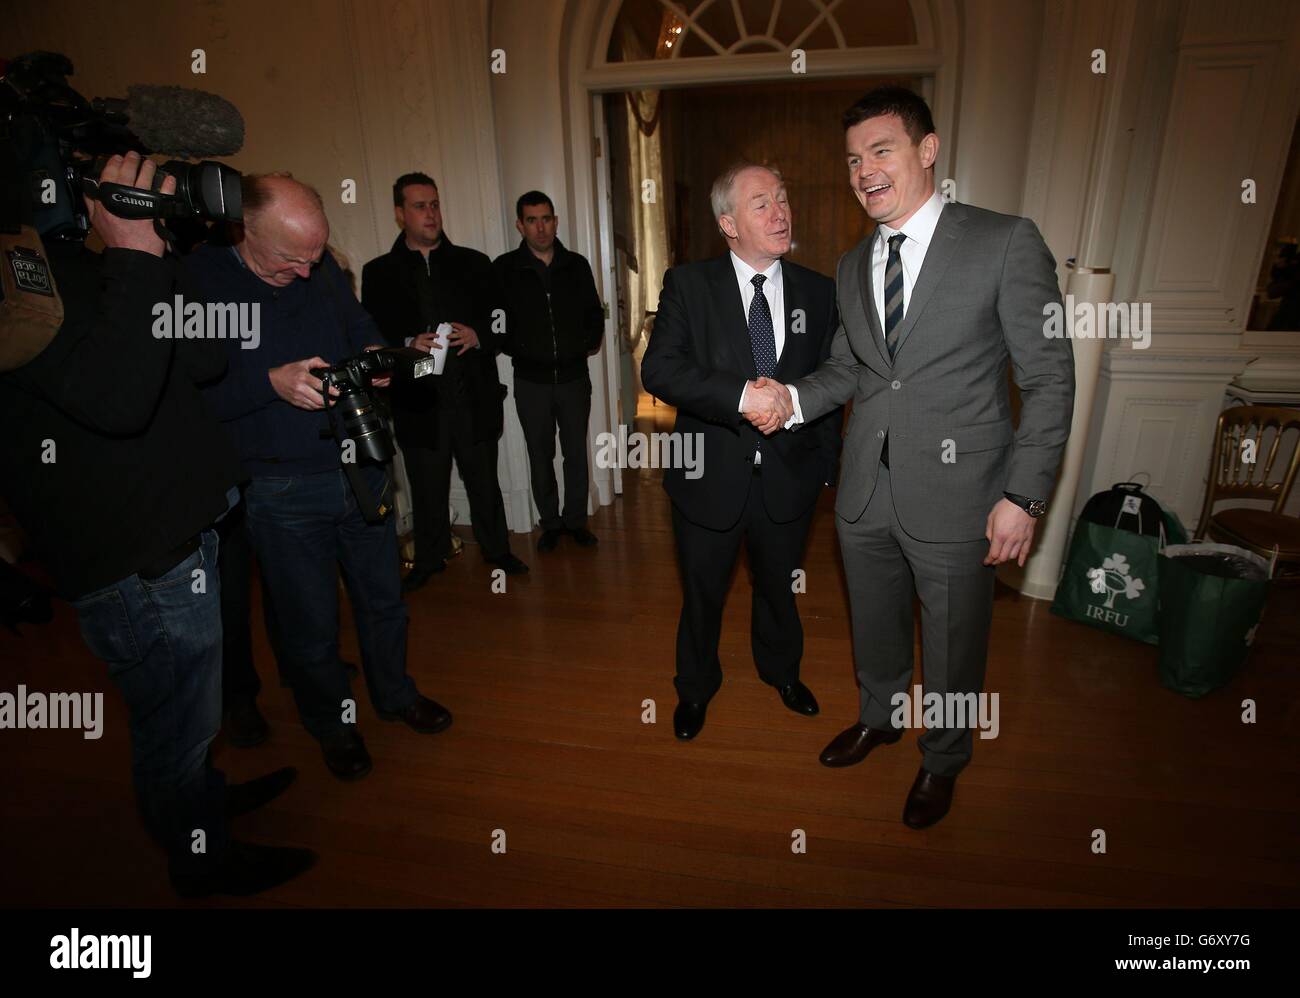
[(1110, 581), (1211, 599)]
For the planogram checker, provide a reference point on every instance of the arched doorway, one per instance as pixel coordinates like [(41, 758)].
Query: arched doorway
[(644, 46)]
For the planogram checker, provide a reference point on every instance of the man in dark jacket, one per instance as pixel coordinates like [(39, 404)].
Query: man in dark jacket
[(423, 282), (117, 472), (554, 319)]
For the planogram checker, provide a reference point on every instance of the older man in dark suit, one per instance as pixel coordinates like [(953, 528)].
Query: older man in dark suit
[(724, 328)]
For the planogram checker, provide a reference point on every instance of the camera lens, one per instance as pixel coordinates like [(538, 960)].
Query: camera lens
[(364, 424)]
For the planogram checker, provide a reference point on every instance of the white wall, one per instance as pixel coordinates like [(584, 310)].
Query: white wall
[(999, 69)]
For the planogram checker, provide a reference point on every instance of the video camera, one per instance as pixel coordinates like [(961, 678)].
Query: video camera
[(53, 143), (58, 141)]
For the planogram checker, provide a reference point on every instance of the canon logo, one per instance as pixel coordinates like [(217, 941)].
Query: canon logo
[(130, 200)]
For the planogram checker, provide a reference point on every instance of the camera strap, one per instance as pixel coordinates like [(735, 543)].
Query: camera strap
[(373, 510)]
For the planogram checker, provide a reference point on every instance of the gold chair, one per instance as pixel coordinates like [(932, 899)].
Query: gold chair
[(1240, 469)]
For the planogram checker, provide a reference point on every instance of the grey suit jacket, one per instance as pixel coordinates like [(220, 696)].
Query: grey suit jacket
[(944, 399)]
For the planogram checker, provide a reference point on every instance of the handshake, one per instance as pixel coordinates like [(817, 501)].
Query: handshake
[(767, 405)]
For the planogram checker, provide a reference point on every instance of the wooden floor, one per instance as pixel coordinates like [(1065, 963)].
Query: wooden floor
[(547, 683)]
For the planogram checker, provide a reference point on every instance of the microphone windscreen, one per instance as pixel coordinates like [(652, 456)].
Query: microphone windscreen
[(187, 124)]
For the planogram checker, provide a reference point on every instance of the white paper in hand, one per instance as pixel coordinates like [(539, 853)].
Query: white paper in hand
[(439, 351)]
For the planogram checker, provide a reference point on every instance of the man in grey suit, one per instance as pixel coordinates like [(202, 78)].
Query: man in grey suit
[(937, 485)]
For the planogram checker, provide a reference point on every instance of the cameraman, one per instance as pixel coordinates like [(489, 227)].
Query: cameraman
[(113, 467), (303, 515)]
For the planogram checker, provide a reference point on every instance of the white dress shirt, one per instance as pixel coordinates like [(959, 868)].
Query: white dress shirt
[(919, 230)]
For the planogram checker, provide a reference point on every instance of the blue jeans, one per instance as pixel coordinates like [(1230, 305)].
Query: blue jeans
[(303, 528), (162, 643)]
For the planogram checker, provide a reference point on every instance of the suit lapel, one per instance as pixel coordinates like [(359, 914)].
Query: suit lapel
[(731, 313), (861, 287), (943, 246)]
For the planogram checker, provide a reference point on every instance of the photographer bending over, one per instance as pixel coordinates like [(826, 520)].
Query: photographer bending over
[(303, 512)]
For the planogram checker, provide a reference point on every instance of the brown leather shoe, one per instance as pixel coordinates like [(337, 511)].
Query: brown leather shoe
[(928, 800), (852, 745)]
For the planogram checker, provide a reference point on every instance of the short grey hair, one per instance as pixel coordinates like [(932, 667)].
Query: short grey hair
[(722, 196)]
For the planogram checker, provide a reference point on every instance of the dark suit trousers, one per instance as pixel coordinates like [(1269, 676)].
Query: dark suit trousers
[(543, 408), (883, 566), (428, 469), (706, 558)]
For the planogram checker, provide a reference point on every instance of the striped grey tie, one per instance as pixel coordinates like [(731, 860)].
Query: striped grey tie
[(893, 293)]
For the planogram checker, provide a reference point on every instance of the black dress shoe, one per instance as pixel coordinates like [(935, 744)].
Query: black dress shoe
[(549, 539), (416, 578), (928, 800), (854, 744), (426, 716), (244, 797), (799, 699), (346, 755), (583, 537), (246, 869), (688, 719), (509, 564), (245, 726)]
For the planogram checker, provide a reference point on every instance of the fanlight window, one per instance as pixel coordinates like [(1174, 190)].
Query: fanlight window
[(672, 29)]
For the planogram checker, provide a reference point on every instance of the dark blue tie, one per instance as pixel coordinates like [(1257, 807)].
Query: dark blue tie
[(762, 334)]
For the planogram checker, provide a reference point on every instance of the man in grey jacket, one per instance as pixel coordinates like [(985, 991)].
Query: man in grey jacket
[(937, 486)]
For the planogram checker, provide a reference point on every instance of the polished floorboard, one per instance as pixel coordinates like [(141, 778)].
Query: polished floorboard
[(549, 751)]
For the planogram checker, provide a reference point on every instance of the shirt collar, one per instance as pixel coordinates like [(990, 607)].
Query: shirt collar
[(919, 229), (745, 273)]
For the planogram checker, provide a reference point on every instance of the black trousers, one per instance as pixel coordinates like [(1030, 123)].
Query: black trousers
[(428, 469), (541, 409), (706, 558)]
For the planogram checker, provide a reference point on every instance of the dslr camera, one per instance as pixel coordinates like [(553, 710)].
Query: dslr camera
[(355, 415)]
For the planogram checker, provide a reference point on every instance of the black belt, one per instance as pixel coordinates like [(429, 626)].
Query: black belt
[(164, 563), (884, 452)]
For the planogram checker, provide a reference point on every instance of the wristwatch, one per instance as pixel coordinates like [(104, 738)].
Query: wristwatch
[(1034, 507)]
